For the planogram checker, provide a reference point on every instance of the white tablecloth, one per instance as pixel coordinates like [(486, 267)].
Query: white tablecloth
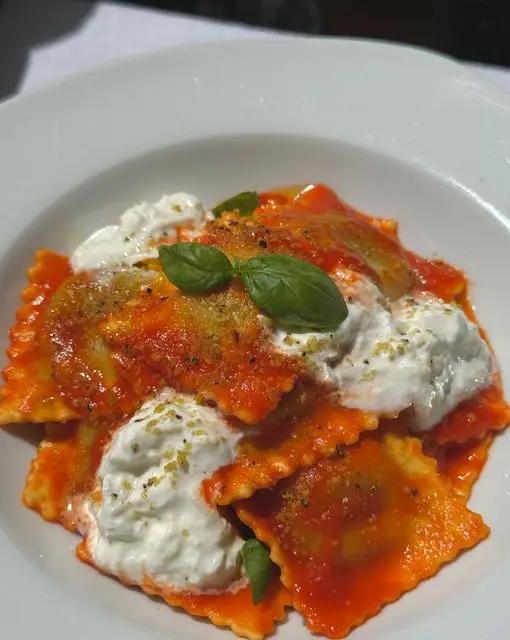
[(42, 40)]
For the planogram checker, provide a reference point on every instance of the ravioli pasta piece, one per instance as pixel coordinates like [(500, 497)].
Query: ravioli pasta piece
[(87, 373), (246, 237), (56, 352), (317, 216), (30, 393), (46, 485), (64, 468), (308, 426), (313, 224), (233, 609), (214, 345), (356, 531), (487, 412)]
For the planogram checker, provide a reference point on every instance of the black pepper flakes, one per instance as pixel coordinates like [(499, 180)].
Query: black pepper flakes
[(263, 244)]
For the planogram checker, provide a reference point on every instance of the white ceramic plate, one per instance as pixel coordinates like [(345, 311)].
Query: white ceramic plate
[(397, 131)]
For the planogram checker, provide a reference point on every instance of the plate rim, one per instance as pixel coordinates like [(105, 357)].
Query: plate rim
[(257, 39)]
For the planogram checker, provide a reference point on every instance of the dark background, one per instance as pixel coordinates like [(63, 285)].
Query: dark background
[(476, 30), (472, 30)]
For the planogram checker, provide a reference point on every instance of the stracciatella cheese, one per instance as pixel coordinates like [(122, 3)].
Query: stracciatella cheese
[(136, 236), (152, 521), (418, 353)]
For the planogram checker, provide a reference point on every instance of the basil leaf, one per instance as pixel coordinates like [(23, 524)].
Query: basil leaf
[(194, 267), (245, 203), (257, 566), (298, 295)]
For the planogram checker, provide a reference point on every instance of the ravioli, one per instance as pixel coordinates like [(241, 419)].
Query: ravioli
[(308, 426), (357, 530), (214, 345), (30, 393), (233, 609), (60, 367), (317, 216), (63, 469), (84, 368)]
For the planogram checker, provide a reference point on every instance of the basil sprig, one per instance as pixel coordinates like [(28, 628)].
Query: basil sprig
[(194, 267), (257, 567), (244, 203), (297, 295)]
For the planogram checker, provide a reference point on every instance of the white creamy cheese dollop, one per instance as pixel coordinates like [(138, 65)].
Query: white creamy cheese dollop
[(419, 354), (136, 236), (152, 521)]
